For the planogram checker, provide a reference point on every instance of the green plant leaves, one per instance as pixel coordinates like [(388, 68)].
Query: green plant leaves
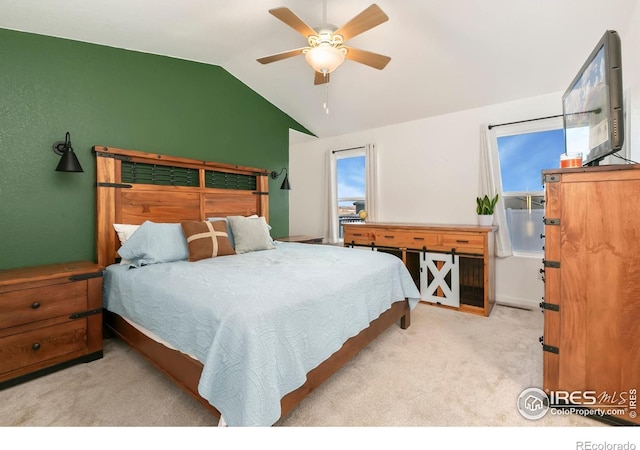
[(486, 205)]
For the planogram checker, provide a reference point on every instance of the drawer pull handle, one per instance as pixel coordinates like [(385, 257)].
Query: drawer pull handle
[(35, 305), (389, 237), (35, 346), (418, 239), (462, 241), (357, 234)]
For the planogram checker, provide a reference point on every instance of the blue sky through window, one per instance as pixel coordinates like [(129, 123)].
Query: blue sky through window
[(524, 156), (350, 176)]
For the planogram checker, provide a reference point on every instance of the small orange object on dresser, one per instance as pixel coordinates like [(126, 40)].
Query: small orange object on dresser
[(570, 160)]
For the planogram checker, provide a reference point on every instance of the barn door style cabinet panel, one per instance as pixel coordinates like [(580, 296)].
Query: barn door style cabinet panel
[(452, 265), (591, 306)]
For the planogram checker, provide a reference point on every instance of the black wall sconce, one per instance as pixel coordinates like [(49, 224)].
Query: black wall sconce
[(69, 162), (285, 183)]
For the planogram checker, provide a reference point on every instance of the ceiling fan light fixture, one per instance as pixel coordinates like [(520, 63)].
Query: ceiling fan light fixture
[(326, 51), (325, 58)]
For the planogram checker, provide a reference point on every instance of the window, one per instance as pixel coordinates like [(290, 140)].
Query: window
[(351, 188), (524, 151), (350, 175)]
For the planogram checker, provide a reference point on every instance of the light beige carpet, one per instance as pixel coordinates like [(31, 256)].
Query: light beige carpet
[(448, 369)]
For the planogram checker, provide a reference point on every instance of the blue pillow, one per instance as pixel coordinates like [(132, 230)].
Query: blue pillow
[(155, 243)]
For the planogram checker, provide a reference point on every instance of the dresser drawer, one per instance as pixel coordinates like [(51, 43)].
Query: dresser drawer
[(33, 304), (405, 239), (360, 237), (32, 347), (464, 243)]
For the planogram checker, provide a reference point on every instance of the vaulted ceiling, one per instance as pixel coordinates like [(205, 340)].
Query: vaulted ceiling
[(446, 55)]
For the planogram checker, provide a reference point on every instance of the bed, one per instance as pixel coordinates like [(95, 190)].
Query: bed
[(252, 333)]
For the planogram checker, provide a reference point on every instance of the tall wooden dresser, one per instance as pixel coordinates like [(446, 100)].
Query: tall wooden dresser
[(591, 306), (50, 318)]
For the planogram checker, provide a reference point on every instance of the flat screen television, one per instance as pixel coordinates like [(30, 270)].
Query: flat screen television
[(592, 104)]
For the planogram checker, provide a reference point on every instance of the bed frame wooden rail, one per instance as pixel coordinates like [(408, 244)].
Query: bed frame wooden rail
[(133, 186)]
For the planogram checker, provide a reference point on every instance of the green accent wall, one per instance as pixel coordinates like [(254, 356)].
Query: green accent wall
[(118, 98)]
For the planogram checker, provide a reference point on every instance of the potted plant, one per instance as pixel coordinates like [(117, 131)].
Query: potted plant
[(484, 209)]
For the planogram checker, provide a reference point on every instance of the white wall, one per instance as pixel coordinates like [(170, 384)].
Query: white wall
[(429, 170)]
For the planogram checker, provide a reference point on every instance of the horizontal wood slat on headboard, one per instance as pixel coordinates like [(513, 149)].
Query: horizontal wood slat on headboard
[(137, 206), (119, 201)]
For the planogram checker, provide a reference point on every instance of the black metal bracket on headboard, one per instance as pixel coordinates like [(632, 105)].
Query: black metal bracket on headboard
[(114, 185)]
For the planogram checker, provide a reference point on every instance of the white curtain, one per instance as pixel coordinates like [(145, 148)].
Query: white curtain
[(331, 227), (331, 201), (490, 184), (371, 182)]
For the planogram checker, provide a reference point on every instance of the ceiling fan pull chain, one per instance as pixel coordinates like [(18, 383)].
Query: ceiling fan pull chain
[(326, 99)]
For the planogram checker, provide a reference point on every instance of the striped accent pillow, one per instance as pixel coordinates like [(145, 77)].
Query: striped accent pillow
[(207, 239)]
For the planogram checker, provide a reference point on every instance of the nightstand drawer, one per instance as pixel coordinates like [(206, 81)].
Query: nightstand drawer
[(28, 348), (465, 243), (48, 321), (31, 305)]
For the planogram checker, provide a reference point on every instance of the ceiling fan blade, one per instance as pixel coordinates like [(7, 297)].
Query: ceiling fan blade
[(321, 78), (280, 56), (295, 22), (367, 19), (370, 59)]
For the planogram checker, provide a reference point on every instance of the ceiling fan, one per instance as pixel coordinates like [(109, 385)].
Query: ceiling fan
[(326, 49)]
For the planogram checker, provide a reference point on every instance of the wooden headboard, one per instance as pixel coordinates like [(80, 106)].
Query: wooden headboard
[(133, 186)]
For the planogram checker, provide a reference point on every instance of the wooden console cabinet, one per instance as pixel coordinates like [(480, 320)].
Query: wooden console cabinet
[(473, 244), (50, 318), (591, 305)]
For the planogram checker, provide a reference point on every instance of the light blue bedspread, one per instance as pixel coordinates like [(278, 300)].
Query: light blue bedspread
[(260, 321)]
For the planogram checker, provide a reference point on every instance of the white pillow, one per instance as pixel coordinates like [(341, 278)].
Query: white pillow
[(250, 234), (124, 231)]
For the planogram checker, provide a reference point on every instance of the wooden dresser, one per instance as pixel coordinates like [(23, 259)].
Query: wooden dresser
[(50, 318), (591, 305), (472, 244)]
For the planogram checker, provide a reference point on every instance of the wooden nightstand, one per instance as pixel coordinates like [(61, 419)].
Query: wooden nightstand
[(50, 318), (303, 239)]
